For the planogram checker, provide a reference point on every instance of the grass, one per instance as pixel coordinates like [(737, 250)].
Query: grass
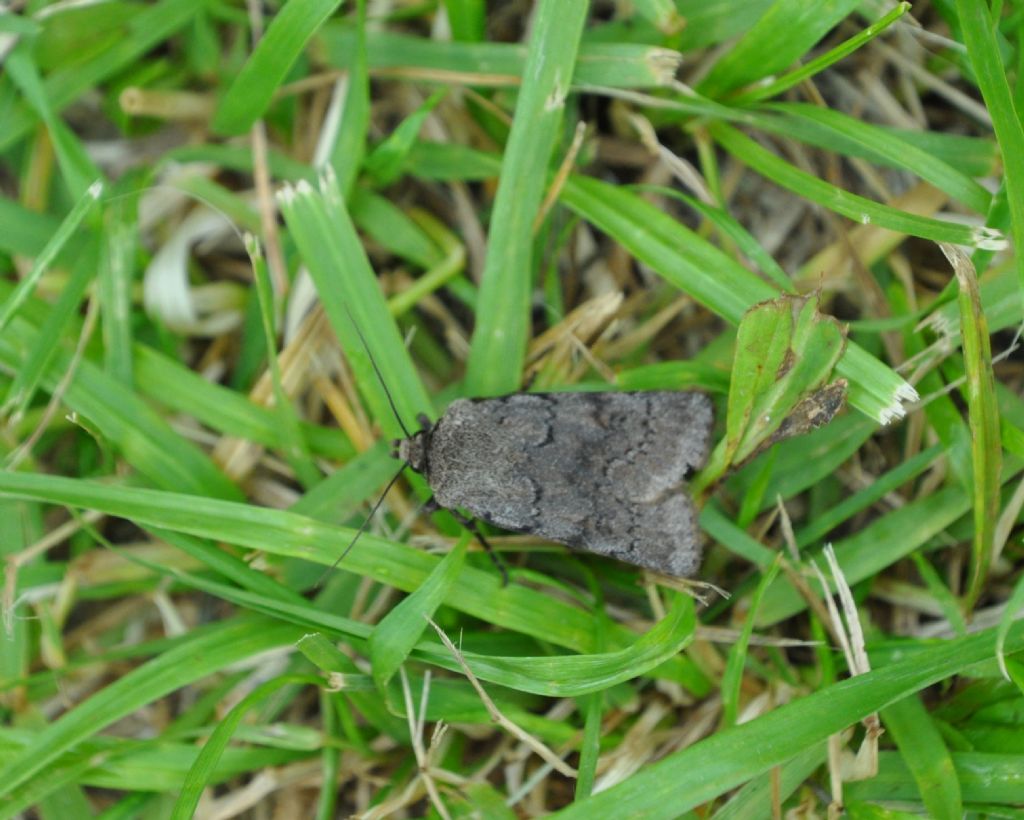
[(194, 427)]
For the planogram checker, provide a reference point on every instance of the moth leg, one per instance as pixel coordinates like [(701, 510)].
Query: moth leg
[(431, 506)]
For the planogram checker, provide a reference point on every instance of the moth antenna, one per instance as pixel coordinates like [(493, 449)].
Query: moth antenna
[(362, 528), (380, 377)]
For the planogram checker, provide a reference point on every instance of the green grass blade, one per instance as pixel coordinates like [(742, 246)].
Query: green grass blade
[(926, 756), (205, 766), (833, 129), (295, 449), (400, 630), (991, 783), (77, 169), (115, 285), (346, 151), (352, 299), (250, 94), (58, 325), (163, 380), (717, 281), (498, 347), (605, 64), (111, 410), (819, 64), (720, 763), (576, 675), (46, 256), (205, 653), (979, 34), (786, 31), (983, 419), (878, 545), (143, 28), (861, 210), (732, 677), (476, 592)]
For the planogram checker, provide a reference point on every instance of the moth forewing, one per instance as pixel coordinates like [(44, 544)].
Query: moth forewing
[(601, 472)]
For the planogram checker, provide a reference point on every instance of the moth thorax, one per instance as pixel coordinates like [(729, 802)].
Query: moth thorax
[(413, 451)]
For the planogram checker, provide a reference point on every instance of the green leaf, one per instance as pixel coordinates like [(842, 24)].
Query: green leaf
[(385, 162), (860, 209), (926, 756), (718, 281), (732, 678), (786, 31), (498, 347), (46, 256), (400, 630), (979, 35), (687, 779), (983, 419), (255, 85), (205, 652), (574, 675), (351, 297), (204, 768), (785, 351)]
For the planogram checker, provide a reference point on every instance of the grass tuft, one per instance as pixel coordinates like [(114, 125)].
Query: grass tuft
[(243, 247)]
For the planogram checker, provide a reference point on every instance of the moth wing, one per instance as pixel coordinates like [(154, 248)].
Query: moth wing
[(661, 535), (641, 510), (602, 472), (479, 459)]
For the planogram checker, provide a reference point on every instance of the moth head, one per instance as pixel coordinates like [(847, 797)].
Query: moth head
[(412, 450)]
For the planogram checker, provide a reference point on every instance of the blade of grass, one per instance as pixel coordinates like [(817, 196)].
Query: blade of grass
[(978, 29), (476, 592), (345, 152), (661, 14), (206, 652), (115, 284), (717, 281), (819, 64), (498, 347), (835, 130), (116, 414), (401, 629), (780, 37), (166, 381), (732, 677), (983, 419), (552, 676), (880, 544), (144, 28), (687, 779), (491, 64), (926, 755), (204, 768), (861, 500), (78, 171), (861, 210), (254, 86), (989, 782), (351, 297), (58, 325), (295, 449), (46, 256), (25, 232), (576, 675)]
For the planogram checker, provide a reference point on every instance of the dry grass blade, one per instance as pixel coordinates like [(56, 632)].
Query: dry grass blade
[(543, 751)]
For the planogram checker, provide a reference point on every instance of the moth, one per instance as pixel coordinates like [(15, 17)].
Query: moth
[(600, 472)]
